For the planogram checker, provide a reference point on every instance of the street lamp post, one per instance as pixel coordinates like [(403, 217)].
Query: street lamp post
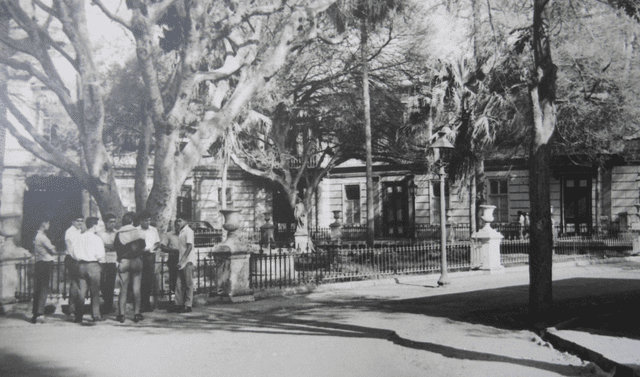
[(442, 143)]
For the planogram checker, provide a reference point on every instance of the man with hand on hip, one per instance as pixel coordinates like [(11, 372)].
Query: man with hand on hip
[(187, 262)]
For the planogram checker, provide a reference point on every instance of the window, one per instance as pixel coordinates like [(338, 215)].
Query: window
[(499, 197), (229, 193), (352, 204)]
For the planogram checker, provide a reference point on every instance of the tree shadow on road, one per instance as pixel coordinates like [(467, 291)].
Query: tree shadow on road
[(15, 365), (288, 325)]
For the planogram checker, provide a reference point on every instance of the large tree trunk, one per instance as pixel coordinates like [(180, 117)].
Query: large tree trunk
[(543, 95), (141, 189), (367, 131)]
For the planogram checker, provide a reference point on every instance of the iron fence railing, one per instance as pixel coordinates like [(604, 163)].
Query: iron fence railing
[(279, 267), (276, 267)]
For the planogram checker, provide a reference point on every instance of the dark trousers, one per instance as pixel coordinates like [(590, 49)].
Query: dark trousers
[(172, 264), (184, 286), (71, 268), (107, 285), (148, 283), (129, 271), (41, 287), (88, 278)]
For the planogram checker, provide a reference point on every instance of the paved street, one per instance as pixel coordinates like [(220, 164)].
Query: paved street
[(406, 327)]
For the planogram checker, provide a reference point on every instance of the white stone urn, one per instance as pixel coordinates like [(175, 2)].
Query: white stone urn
[(487, 214), (231, 220)]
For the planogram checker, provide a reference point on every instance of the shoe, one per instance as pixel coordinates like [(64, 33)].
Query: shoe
[(137, 318), (97, 319), (77, 320), (120, 318), (34, 319), (187, 310)]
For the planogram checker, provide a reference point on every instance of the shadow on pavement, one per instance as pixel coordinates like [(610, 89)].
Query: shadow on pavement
[(287, 324), (592, 301), (18, 366)]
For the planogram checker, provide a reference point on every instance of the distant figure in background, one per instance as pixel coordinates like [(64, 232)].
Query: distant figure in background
[(89, 256), (129, 245), (520, 225), (44, 252), (152, 241), (109, 268), (527, 224), (73, 240)]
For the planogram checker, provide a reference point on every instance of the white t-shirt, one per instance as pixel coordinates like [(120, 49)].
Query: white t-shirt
[(92, 249), (72, 238), (186, 237), (151, 237)]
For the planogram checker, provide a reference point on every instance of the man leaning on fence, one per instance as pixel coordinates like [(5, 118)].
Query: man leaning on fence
[(44, 252), (186, 265)]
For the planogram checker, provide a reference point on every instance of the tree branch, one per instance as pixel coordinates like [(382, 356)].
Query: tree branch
[(110, 15), (54, 159)]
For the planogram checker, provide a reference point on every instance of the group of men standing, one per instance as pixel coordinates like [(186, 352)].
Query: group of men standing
[(96, 258)]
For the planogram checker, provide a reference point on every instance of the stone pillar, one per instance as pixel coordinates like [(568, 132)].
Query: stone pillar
[(487, 241), (232, 260), (10, 256)]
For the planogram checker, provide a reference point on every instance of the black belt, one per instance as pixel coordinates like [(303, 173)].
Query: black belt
[(86, 261)]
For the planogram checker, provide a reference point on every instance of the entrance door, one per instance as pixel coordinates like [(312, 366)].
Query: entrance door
[(577, 204), (57, 198), (395, 210)]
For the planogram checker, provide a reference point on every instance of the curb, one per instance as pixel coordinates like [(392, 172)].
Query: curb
[(608, 365)]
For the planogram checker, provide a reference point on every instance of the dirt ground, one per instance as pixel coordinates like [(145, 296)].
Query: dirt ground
[(407, 328)]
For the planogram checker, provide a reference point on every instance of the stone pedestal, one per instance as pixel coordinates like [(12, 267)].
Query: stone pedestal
[(232, 262), (233, 274), (10, 256), (302, 241), (487, 243)]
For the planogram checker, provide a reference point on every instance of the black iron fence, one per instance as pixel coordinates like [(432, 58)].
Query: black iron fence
[(279, 267)]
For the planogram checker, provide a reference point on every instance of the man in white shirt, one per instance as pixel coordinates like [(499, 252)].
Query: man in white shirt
[(109, 268), (89, 256), (149, 273), (170, 244), (72, 239), (45, 254), (187, 262)]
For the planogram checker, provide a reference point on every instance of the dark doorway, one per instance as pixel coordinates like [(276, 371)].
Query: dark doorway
[(576, 197), (56, 198), (283, 218), (395, 210)]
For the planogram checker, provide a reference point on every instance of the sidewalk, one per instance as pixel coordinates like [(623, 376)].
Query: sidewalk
[(587, 295), (394, 327)]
